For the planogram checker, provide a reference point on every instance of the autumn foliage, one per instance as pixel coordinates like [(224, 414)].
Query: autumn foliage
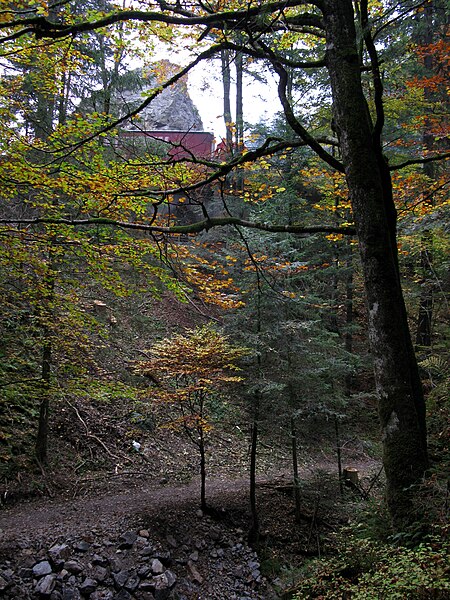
[(188, 370)]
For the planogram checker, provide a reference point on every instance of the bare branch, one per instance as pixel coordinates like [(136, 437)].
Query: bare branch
[(193, 228), (235, 19), (419, 161)]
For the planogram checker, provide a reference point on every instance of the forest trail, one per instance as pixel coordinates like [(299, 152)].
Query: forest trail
[(51, 518), (54, 517)]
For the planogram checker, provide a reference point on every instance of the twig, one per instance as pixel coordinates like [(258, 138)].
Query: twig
[(94, 437), (374, 480), (44, 476)]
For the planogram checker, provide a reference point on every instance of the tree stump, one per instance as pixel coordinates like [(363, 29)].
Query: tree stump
[(351, 476)]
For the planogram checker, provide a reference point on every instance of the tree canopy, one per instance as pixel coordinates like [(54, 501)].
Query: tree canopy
[(75, 199)]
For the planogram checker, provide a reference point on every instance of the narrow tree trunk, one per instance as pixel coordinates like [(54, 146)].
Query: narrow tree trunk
[(338, 454), (349, 313), (239, 63), (226, 82), (44, 405), (201, 447), (253, 535), (297, 509), (396, 373)]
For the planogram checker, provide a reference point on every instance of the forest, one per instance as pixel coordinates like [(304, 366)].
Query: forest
[(260, 320)]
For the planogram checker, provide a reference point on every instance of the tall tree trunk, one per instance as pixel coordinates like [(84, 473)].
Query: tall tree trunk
[(201, 447), (239, 63), (396, 373), (297, 504), (41, 444), (339, 453), (253, 535), (226, 82), (349, 313)]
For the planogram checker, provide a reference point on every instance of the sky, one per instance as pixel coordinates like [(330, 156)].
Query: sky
[(260, 100)]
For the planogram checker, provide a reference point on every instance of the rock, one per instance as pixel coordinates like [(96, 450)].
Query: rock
[(88, 586), (215, 534), (55, 595), (4, 583), (123, 595), (82, 546), (102, 595), (164, 557), (165, 581), (144, 595), (16, 591), (59, 552), (144, 533), (121, 578), (132, 583), (256, 575), (144, 571), (156, 567), (115, 564), (171, 578), (127, 540), (99, 573), (194, 572), (146, 586), (45, 586), (73, 566), (171, 109), (42, 568), (24, 573), (172, 541), (147, 551), (70, 593), (100, 560)]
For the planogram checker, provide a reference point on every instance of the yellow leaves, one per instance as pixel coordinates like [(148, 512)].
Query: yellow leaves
[(188, 368)]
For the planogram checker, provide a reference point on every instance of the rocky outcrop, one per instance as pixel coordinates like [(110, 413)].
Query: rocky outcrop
[(172, 109)]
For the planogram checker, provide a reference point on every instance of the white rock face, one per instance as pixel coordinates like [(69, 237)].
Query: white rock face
[(172, 109)]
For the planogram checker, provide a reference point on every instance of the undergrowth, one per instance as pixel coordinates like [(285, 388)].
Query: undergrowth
[(365, 569)]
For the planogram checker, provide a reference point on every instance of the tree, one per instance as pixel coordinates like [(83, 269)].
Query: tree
[(343, 42), (189, 370)]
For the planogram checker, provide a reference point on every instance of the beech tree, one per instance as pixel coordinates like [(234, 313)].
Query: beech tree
[(189, 370), (340, 38)]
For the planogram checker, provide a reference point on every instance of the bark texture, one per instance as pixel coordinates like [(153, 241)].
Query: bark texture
[(396, 375)]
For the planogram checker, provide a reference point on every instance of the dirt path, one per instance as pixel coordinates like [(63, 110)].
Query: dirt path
[(53, 518), (56, 517)]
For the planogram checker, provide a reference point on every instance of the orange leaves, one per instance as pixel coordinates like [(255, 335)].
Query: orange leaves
[(203, 269), (434, 82), (189, 367)]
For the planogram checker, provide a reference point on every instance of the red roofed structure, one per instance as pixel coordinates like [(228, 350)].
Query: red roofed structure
[(180, 144)]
